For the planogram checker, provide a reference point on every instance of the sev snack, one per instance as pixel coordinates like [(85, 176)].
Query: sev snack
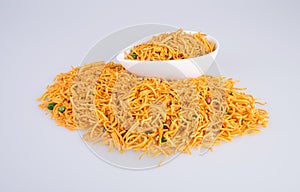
[(83, 95), (56, 100), (152, 115), (172, 46)]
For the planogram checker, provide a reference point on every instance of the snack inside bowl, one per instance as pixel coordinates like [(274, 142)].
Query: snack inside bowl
[(170, 69)]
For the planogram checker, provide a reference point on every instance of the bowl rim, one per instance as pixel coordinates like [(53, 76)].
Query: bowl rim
[(120, 56)]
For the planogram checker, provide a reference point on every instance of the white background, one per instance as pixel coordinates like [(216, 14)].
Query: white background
[(259, 45)]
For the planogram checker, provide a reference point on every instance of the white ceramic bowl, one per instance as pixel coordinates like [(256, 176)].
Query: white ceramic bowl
[(171, 69)]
